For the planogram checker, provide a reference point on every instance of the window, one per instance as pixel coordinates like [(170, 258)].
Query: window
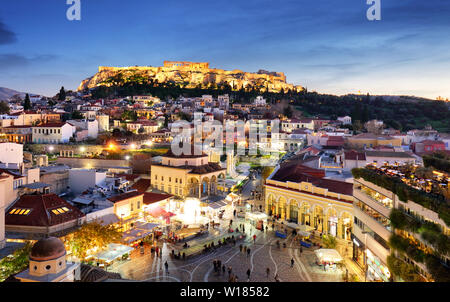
[(61, 210), (138, 204), (19, 211)]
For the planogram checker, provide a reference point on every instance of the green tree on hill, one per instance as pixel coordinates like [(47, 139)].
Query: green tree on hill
[(62, 94), (4, 108), (27, 102)]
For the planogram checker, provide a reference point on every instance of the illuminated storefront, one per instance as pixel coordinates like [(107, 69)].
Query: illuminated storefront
[(376, 270)]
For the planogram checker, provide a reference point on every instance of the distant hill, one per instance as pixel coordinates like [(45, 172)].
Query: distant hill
[(6, 93)]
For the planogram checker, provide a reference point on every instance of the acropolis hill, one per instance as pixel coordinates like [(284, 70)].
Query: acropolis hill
[(190, 75)]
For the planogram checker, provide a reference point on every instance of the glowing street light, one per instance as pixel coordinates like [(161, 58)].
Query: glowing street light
[(51, 148), (133, 146), (127, 157), (82, 149)]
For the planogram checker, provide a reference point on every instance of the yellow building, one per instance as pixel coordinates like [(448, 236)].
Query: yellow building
[(370, 140), (127, 205), (187, 175), (302, 195)]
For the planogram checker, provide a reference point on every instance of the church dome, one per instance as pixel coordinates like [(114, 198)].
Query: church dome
[(47, 249)]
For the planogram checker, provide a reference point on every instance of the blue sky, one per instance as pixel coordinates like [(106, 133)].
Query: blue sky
[(326, 45)]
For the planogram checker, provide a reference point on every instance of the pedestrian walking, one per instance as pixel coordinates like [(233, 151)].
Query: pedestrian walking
[(245, 249), (229, 271), (277, 279), (268, 272), (248, 252), (223, 269), (167, 267), (292, 262), (234, 213), (267, 228), (215, 265), (248, 274), (254, 239), (301, 250), (240, 248)]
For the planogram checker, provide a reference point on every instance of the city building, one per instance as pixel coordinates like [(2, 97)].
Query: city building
[(41, 215), (187, 174), (370, 140), (53, 133), (427, 146), (18, 134), (303, 195), (398, 218)]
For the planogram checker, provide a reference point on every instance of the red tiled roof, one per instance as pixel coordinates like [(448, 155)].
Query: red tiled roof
[(314, 194), (129, 177), (150, 197), (335, 141), (51, 125), (124, 196), (41, 211), (141, 185), (431, 142), (16, 127), (353, 155), (297, 173)]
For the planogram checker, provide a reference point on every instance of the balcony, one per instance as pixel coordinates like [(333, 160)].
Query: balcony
[(372, 223), (371, 243), (376, 205)]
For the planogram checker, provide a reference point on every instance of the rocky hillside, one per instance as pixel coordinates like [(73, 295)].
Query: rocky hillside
[(6, 93), (189, 77)]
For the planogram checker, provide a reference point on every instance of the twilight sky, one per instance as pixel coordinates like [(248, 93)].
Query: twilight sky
[(326, 45)]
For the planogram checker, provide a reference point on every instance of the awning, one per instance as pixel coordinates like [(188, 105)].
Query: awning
[(328, 255), (160, 212), (134, 235), (217, 205), (113, 251)]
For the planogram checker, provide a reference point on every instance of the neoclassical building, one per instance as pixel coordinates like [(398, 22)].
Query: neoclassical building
[(303, 195), (187, 175)]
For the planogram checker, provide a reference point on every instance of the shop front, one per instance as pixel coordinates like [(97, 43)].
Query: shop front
[(358, 252), (293, 213), (376, 270)]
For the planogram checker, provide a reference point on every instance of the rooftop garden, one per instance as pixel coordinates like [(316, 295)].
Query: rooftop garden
[(423, 186), (438, 160)]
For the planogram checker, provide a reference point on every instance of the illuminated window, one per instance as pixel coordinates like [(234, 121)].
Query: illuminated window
[(18, 211), (60, 210)]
